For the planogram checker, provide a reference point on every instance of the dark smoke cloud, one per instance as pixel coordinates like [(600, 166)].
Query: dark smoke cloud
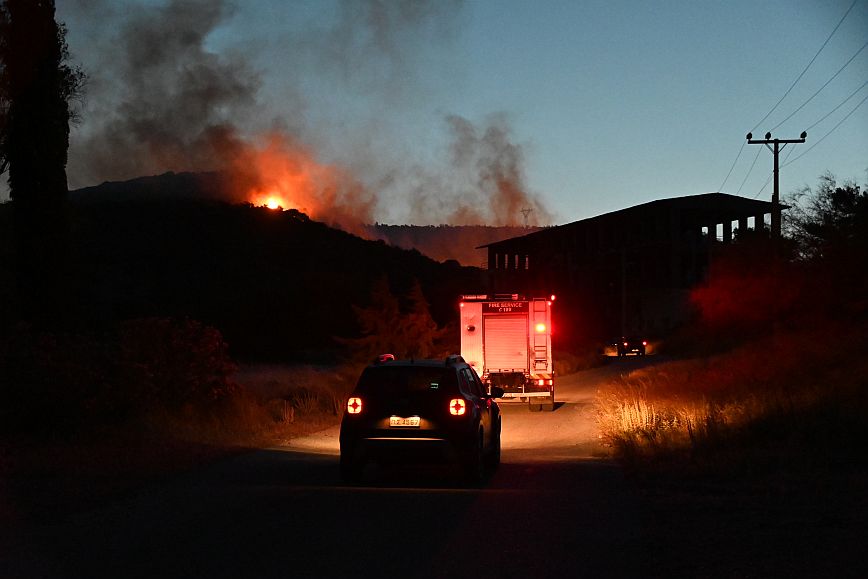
[(162, 101)]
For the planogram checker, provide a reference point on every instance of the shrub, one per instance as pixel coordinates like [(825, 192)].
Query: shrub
[(55, 383), (166, 363)]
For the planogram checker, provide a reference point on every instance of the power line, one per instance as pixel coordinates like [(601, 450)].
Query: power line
[(820, 140), (827, 115), (725, 179), (821, 88), (805, 152), (834, 30), (748, 171)]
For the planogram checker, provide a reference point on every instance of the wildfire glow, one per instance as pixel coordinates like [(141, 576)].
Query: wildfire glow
[(273, 203), (286, 174)]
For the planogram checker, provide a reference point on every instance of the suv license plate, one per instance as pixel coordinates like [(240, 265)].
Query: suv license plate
[(398, 421)]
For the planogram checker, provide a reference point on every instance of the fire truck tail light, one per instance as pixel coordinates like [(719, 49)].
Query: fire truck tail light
[(354, 405), (644, 342), (540, 328), (549, 382), (457, 406), (540, 382)]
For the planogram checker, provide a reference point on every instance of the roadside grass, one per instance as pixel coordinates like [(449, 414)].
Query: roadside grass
[(296, 399), (751, 462), (797, 395)]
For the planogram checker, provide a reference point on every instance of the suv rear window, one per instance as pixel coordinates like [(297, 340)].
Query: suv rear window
[(392, 380)]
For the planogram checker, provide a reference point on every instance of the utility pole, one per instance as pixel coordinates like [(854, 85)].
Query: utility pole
[(777, 145), (526, 212)]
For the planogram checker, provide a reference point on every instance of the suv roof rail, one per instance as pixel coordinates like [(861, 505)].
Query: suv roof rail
[(454, 359)]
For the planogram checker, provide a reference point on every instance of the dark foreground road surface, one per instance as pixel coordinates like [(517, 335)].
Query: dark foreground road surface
[(551, 510), (282, 513)]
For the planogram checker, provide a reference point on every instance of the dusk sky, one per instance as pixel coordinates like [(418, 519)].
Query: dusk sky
[(600, 104)]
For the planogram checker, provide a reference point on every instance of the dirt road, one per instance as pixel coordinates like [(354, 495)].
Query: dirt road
[(551, 509)]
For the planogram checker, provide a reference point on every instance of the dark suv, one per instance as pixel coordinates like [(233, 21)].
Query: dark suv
[(419, 410)]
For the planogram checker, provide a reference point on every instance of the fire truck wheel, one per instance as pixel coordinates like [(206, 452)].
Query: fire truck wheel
[(533, 406), (548, 404)]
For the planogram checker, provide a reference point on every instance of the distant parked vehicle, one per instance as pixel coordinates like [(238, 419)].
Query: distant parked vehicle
[(631, 345)]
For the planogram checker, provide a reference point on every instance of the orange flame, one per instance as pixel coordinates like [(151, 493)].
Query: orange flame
[(282, 173)]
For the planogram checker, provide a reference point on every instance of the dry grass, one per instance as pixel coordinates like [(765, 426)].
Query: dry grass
[(791, 382)]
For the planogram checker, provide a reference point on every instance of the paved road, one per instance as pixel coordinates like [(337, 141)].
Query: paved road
[(551, 509)]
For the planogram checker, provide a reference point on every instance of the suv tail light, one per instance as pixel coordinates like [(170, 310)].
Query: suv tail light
[(457, 406), (354, 405)]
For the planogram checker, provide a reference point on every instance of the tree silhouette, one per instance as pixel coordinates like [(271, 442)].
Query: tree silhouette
[(420, 331), (35, 93), (386, 328), (831, 220), (36, 87)]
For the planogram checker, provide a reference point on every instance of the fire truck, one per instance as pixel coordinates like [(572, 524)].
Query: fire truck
[(507, 339)]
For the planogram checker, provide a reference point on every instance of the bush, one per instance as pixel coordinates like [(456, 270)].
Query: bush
[(54, 383), (166, 363)]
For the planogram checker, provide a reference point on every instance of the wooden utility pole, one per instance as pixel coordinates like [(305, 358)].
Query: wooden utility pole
[(776, 146)]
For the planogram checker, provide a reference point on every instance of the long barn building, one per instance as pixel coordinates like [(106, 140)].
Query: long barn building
[(625, 272)]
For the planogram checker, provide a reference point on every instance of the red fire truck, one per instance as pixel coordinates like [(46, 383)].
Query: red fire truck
[(507, 339)]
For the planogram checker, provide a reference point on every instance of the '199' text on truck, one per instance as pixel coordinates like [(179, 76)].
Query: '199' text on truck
[(507, 339)]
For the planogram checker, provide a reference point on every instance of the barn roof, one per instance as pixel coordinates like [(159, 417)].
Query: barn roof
[(702, 208)]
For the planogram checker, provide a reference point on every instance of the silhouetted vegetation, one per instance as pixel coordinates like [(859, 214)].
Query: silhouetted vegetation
[(55, 384), (276, 285), (36, 87), (406, 331)]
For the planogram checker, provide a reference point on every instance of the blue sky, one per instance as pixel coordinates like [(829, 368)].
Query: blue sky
[(609, 103)]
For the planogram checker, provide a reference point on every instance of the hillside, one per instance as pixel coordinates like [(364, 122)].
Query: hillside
[(439, 242), (278, 285)]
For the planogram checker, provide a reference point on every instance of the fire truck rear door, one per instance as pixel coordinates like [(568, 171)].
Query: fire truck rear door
[(505, 342)]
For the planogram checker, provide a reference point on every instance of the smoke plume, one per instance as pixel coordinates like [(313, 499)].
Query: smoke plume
[(484, 183), (163, 102), (161, 98)]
